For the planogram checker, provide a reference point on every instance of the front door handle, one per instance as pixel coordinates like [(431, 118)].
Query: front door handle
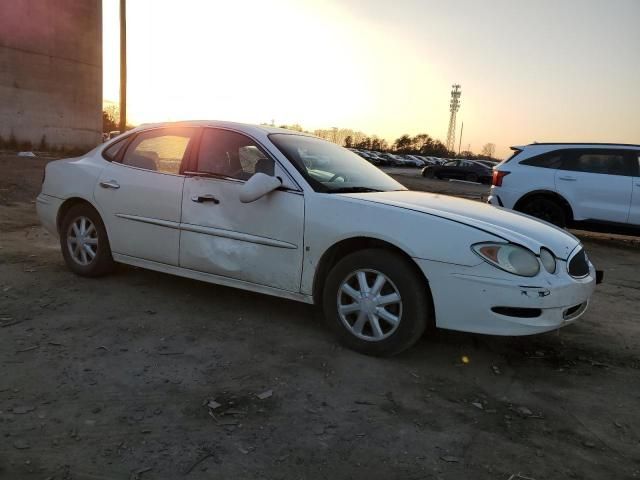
[(205, 198), (110, 184), (568, 179)]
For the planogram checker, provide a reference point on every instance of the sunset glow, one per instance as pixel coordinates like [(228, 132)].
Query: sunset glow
[(385, 68)]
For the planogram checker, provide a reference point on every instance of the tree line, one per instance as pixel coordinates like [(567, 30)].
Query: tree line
[(420, 144)]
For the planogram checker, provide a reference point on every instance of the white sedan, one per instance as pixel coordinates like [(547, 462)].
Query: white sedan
[(291, 215)]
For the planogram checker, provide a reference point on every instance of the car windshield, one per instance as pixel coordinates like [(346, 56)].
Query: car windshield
[(330, 168)]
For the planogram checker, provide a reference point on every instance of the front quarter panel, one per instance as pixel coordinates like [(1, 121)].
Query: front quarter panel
[(331, 218)]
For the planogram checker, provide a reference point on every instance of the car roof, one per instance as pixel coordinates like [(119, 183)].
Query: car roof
[(574, 144), (246, 127)]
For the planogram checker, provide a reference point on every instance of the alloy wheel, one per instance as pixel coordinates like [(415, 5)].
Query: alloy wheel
[(82, 240), (369, 305)]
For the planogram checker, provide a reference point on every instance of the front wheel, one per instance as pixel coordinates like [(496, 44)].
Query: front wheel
[(84, 242), (376, 302)]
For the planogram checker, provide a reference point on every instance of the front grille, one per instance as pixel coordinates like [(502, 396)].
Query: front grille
[(579, 265)]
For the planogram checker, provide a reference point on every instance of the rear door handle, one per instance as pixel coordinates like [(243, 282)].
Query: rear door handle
[(110, 184), (205, 198), (568, 179)]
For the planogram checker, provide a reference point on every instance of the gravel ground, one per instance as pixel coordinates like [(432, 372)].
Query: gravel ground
[(143, 375)]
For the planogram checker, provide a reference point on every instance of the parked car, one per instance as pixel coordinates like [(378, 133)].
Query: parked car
[(426, 160), (394, 160), (415, 161), (468, 170), (487, 163), (566, 182), (288, 214)]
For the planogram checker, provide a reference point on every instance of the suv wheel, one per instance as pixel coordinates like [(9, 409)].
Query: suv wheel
[(376, 302), (546, 209)]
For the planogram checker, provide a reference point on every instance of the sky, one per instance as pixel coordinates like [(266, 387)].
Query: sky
[(530, 70)]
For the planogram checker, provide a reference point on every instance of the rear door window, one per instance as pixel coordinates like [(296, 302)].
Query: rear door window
[(160, 150), (613, 162)]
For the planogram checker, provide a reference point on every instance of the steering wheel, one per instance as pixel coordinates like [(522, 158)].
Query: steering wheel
[(336, 176)]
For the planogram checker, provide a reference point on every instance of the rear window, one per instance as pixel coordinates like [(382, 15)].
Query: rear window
[(111, 152), (516, 152), (546, 160)]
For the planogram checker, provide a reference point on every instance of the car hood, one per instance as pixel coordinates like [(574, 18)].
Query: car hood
[(512, 226)]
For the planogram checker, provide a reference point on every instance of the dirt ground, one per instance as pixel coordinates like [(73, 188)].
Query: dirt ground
[(110, 379)]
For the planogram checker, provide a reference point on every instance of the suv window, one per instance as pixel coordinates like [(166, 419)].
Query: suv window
[(606, 163), (546, 160), (231, 154), (159, 150)]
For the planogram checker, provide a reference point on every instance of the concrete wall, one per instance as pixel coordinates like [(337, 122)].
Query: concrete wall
[(51, 71)]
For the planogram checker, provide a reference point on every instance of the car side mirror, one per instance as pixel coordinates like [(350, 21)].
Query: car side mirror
[(258, 186)]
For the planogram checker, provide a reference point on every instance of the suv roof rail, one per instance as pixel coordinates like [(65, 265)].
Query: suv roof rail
[(586, 143)]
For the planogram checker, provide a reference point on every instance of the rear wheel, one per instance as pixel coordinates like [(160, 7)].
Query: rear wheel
[(376, 302), (427, 172), (546, 209), (84, 242)]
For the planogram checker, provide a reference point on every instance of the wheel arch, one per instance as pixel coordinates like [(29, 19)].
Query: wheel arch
[(547, 194), (342, 248), (66, 206)]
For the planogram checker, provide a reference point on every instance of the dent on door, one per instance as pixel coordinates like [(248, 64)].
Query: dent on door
[(258, 242)]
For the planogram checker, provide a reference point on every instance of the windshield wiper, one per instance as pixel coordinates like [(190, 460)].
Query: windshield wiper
[(354, 190)]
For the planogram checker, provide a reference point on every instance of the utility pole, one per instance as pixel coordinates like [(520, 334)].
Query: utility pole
[(460, 143), (123, 66), (454, 105)]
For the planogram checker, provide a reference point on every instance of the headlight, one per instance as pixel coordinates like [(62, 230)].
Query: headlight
[(548, 260), (508, 257)]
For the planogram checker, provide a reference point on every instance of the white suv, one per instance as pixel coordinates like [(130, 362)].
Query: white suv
[(566, 182)]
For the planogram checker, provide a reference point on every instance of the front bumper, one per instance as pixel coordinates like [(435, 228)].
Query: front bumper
[(465, 298)]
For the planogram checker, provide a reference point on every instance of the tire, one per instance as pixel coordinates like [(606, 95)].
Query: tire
[(546, 209), (95, 242), (427, 173), (413, 311), (471, 177)]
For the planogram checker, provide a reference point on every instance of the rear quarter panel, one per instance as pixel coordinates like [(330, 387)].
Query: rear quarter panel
[(73, 178), (523, 179)]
